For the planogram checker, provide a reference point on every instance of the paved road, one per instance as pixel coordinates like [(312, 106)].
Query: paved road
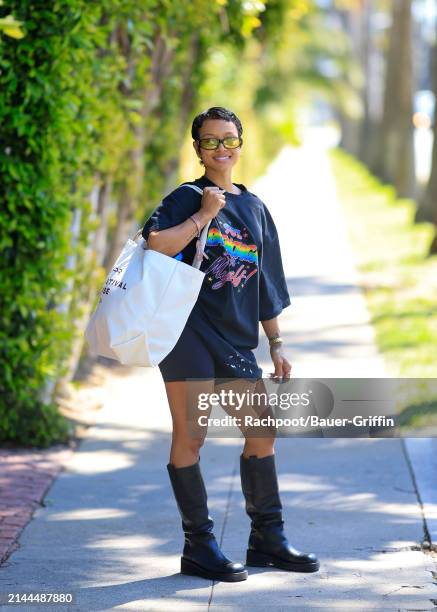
[(110, 532)]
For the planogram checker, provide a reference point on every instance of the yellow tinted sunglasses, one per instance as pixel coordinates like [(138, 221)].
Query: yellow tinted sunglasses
[(230, 142)]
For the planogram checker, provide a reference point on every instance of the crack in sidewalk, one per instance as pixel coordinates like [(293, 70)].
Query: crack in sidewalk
[(225, 520)]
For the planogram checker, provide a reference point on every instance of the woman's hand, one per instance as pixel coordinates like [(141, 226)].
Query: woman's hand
[(280, 362), (173, 239), (213, 200)]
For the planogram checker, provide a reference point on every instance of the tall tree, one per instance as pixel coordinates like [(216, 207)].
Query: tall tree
[(427, 209), (394, 161), (372, 62)]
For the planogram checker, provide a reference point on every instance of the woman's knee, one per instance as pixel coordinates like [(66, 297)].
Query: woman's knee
[(185, 451), (260, 447), (188, 444)]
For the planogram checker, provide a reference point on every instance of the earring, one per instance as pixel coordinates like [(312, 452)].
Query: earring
[(201, 162)]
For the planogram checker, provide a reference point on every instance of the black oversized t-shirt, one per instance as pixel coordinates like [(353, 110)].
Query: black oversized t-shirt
[(244, 279)]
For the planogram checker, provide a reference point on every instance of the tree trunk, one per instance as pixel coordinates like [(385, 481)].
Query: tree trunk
[(372, 63), (427, 208), (350, 125), (395, 158), (395, 148)]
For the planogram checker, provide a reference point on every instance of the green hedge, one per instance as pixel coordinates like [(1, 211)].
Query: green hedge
[(75, 89)]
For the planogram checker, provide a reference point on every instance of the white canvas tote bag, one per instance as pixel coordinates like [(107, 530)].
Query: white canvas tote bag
[(145, 303)]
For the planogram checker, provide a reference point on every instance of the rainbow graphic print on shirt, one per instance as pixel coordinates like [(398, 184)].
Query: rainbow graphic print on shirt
[(238, 258)]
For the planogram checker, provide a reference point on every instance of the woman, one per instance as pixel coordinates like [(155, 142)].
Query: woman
[(244, 284)]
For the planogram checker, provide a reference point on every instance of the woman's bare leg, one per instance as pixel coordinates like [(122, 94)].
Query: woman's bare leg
[(201, 555), (186, 443), (186, 446)]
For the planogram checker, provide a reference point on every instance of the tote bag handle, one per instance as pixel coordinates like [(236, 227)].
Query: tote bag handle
[(201, 242)]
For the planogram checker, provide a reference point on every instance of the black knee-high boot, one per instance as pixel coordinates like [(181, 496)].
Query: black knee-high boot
[(201, 555), (268, 545)]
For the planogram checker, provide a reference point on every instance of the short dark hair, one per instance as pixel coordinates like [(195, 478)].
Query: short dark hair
[(215, 112)]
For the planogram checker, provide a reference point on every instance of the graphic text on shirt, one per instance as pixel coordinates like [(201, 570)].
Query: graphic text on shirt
[(238, 261)]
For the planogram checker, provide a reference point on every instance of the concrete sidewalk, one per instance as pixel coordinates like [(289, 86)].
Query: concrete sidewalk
[(110, 532)]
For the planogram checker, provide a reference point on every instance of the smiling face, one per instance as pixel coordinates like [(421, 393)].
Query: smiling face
[(220, 158)]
